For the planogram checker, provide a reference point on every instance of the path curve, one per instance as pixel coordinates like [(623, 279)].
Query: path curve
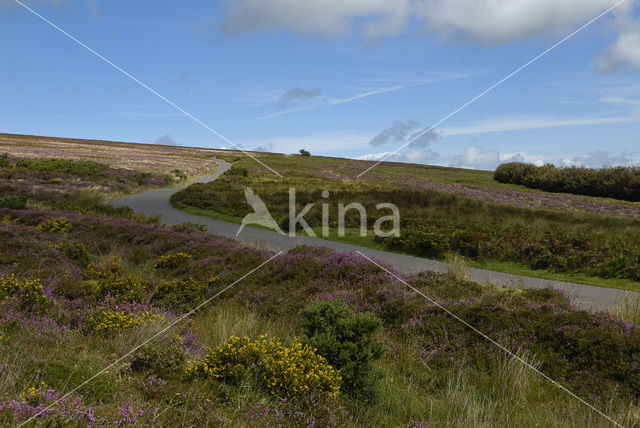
[(156, 202)]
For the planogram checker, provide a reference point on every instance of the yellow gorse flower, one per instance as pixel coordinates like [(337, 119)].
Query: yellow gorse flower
[(29, 291), (285, 370)]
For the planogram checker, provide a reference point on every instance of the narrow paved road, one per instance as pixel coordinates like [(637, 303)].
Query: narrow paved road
[(155, 202)]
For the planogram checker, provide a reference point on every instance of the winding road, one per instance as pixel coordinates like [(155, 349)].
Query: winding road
[(156, 202)]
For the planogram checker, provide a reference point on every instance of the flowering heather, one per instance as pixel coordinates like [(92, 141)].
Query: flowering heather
[(44, 325), (51, 408), (149, 158), (527, 199)]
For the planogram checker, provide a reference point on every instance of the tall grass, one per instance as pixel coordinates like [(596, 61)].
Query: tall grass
[(629, 308)]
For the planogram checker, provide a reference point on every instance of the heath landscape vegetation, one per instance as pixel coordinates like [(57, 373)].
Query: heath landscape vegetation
[(312, 338)]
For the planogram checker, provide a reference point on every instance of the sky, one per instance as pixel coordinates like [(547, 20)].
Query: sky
[(348, 78)]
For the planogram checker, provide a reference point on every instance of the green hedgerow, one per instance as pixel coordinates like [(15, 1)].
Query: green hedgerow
[(347, 340), (285, 371)]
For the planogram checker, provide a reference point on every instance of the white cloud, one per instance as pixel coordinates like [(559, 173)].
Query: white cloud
[(624, 53), (503, 21), (486, 21), (475, 157), (502, 124), (400, 133), (319, 18), (477, 21)]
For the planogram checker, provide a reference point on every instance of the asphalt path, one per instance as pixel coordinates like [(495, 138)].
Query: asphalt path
[(156, 202)]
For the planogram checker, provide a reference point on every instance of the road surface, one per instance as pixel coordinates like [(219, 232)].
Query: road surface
[(156, 202)]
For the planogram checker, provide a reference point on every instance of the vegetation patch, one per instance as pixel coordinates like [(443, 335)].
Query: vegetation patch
[(610, 182)]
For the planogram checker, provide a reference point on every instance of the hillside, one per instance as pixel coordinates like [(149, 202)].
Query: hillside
[(101, 304), (443, 210)]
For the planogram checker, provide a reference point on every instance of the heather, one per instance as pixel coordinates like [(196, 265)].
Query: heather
[(609, 182), (313, 338), (135, 278), (434, 222)]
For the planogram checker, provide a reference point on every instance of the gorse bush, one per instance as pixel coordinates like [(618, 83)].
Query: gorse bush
[(172, 261), (29, 292), (115, 320), (347, 340), (113, 281), (285, 371), (609, 182), (55, 225), (76, 252), (179, 293)]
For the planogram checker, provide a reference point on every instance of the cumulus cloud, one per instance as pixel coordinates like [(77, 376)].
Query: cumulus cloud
[(504, 21), (475, 157), (166, 140), (477, 21), (624, 53), (318, 18), (298, 94), (486, 21), (400, 133)]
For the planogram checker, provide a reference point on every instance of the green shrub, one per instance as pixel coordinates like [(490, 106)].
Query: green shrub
[(239, 171), (80, 168), (159, 356), (347, 340), (304, 152), (180, 292), (13, 202), (609, 182), (111, 280), (286, 371), (76, 252), (4, 160)]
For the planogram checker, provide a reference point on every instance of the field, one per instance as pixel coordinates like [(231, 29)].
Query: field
[(443, 210), (84, 287)]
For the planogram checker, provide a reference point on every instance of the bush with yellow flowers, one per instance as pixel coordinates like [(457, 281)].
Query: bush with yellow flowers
[(55, 225), (29, 292), (112, 319), (180, 292), (285, 371), (172, 261), (111, 280)]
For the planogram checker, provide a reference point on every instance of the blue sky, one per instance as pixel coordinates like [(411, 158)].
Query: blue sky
[(349, 78)]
